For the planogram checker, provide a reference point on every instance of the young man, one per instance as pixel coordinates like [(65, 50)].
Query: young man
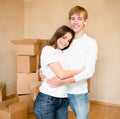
[(81, 54)]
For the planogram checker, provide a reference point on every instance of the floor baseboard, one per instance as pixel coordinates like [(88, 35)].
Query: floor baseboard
[(104, 103)]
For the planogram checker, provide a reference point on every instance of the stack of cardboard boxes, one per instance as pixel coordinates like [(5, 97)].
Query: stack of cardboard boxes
[(14, 110), (10, 107), (28, 63)]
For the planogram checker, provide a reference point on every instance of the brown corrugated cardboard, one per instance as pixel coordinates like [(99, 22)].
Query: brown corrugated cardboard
[(88, 81), (24, 81), (27, 46), (26, 64), (2, 91), (42, 44), (14, 111), (29, 101), (35, 89), (9, 101)]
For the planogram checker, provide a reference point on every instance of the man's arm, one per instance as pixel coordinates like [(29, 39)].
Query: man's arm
[(90, 62)]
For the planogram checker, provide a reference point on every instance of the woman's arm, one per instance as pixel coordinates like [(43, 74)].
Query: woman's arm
[(62, 73), (56, 82)]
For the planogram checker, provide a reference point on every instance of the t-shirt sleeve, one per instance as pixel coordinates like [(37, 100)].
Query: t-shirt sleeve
[(90, 62), (49, 55)]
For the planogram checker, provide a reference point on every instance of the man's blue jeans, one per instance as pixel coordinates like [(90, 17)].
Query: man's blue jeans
[(48, 107), (79, 105)]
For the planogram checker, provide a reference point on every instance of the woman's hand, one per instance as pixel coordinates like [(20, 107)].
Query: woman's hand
[(55, 82), (42, 76)]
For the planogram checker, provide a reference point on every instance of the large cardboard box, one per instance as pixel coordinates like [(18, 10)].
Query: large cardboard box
[(41, 45), (88, 81), (35, 89), (30, 98), (2, 91), (27, 46), (14, 111), (24, 82), (9, 101), (30, 102), (26, 64), (30, 47)]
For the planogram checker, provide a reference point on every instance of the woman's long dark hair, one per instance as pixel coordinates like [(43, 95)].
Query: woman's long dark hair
[(61, 31)]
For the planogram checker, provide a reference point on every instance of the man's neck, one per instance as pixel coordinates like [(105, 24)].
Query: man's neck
[(79, 34)]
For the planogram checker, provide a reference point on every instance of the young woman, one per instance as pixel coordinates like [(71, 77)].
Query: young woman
[(52, 103)]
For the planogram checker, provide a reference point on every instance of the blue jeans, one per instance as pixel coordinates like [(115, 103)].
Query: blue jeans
[(48, 107), (79, 105)]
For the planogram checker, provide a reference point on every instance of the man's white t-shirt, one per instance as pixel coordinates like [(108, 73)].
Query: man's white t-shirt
[(82, 53)]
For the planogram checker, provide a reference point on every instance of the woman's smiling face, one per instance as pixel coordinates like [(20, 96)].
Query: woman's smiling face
[(64, 41)]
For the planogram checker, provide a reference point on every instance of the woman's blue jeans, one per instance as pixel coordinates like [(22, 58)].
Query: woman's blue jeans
[(79, 105), (48, 107)]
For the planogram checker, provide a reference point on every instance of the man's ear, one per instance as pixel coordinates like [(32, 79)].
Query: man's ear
[(86, 22)]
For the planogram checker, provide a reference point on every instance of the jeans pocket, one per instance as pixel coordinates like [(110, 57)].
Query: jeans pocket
[(46, 100)]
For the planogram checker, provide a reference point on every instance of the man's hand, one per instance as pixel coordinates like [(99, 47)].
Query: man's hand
[(55, 82)]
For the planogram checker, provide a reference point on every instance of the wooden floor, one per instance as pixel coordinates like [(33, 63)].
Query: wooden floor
[(97, 112), (104, 112)]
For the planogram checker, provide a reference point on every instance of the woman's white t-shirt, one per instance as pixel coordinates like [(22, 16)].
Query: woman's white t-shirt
[(50, 55)]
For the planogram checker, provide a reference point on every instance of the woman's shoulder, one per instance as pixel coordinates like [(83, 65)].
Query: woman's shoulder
[(48, 48)]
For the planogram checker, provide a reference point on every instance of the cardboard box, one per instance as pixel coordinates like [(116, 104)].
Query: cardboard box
[(30, 103), (2, 91), (41, 45), (31, 116), (26, 64), (27, 46), (34, 89), (24, 82), (14, 111), (30, 47), (88, 81), (9, 101)]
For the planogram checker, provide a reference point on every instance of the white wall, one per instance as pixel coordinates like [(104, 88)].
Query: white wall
[(11, 27)]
